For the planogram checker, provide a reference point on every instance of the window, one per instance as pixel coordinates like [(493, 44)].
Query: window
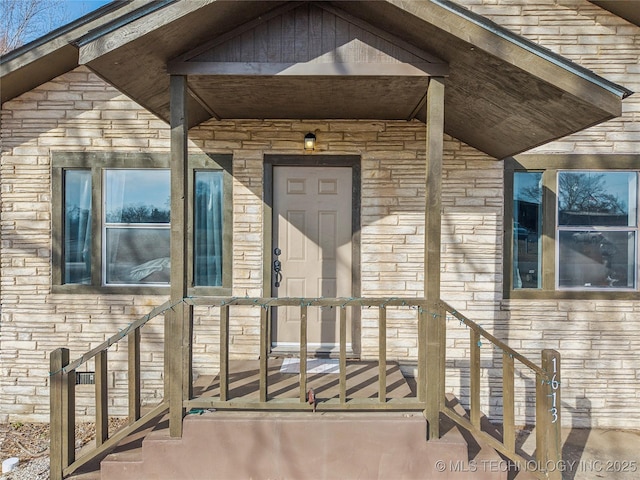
[(597, 229), (77, 226), (527, 229), (112, 222), (572, 226), (208, 237), (136, 229)]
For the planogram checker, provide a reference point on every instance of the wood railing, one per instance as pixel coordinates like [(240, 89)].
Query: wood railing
[(548, 454), (430, 398), (63, 405), (340, 305)]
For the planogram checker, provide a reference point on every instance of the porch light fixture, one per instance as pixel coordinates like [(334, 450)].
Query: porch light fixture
[(309, 142)]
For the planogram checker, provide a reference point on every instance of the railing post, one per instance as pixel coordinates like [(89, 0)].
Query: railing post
[(508, 402), (224, 353), (343, 355), (303, 353), (62, 404), (442, 340), (422, 355), (434, 352), (474, 378), (548, 420), (102, 406), (264, 354), (134, 375), (57, 360), (382, 354)]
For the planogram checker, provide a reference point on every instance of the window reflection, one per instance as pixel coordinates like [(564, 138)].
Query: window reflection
[(136, 231), (597, 220), (208, 220), (597, 198), (595, 259), (77, 226), (527, 228), (137, 196), (137, 256)]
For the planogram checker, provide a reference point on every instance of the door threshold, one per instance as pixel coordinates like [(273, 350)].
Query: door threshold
[(288, 353)]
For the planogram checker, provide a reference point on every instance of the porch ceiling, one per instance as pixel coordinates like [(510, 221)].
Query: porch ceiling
[(504, 95), (310, 97)]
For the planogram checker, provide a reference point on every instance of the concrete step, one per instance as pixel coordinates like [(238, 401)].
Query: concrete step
[(85, 475), (128, 464), (300, 445)]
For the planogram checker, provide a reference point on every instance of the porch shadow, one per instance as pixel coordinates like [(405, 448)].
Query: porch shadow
[(574, 446), (362, 382)]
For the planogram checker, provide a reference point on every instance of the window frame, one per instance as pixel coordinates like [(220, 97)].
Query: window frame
[(97, 163), (549, 166)]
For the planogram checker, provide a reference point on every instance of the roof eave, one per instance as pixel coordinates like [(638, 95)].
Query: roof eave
[(54, 54), (563, 76), (99, 40), (533, 48)]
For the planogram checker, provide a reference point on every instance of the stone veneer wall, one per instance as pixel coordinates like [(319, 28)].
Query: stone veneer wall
[(75, 112), (598, 340), (79, 112)]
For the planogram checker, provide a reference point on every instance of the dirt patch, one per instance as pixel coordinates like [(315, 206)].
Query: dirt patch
[(29, 442)]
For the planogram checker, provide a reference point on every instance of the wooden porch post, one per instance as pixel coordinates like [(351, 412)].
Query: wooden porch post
[(177, 324), (434, 384), (62, 414)]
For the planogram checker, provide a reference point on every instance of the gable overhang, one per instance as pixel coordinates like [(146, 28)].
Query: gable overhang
[(504, 94), (627, 9), (54, 54)]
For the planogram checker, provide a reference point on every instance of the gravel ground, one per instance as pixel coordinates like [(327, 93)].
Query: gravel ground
[(29, 442)]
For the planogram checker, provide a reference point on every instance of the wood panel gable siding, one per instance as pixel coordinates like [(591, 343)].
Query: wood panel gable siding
[(308, 40)]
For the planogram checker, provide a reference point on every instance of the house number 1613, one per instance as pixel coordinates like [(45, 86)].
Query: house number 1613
[(554, 387)]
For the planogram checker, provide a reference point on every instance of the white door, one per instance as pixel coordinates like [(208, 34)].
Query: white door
[(312, 229)]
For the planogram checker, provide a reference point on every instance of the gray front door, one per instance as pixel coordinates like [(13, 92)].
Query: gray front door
[(312, 228)]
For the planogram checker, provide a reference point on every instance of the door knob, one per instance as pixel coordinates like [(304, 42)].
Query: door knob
[(277, 267)]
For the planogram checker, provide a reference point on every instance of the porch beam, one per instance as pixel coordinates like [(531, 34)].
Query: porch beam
[(302, 69), (177, 323), (432, 239)]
